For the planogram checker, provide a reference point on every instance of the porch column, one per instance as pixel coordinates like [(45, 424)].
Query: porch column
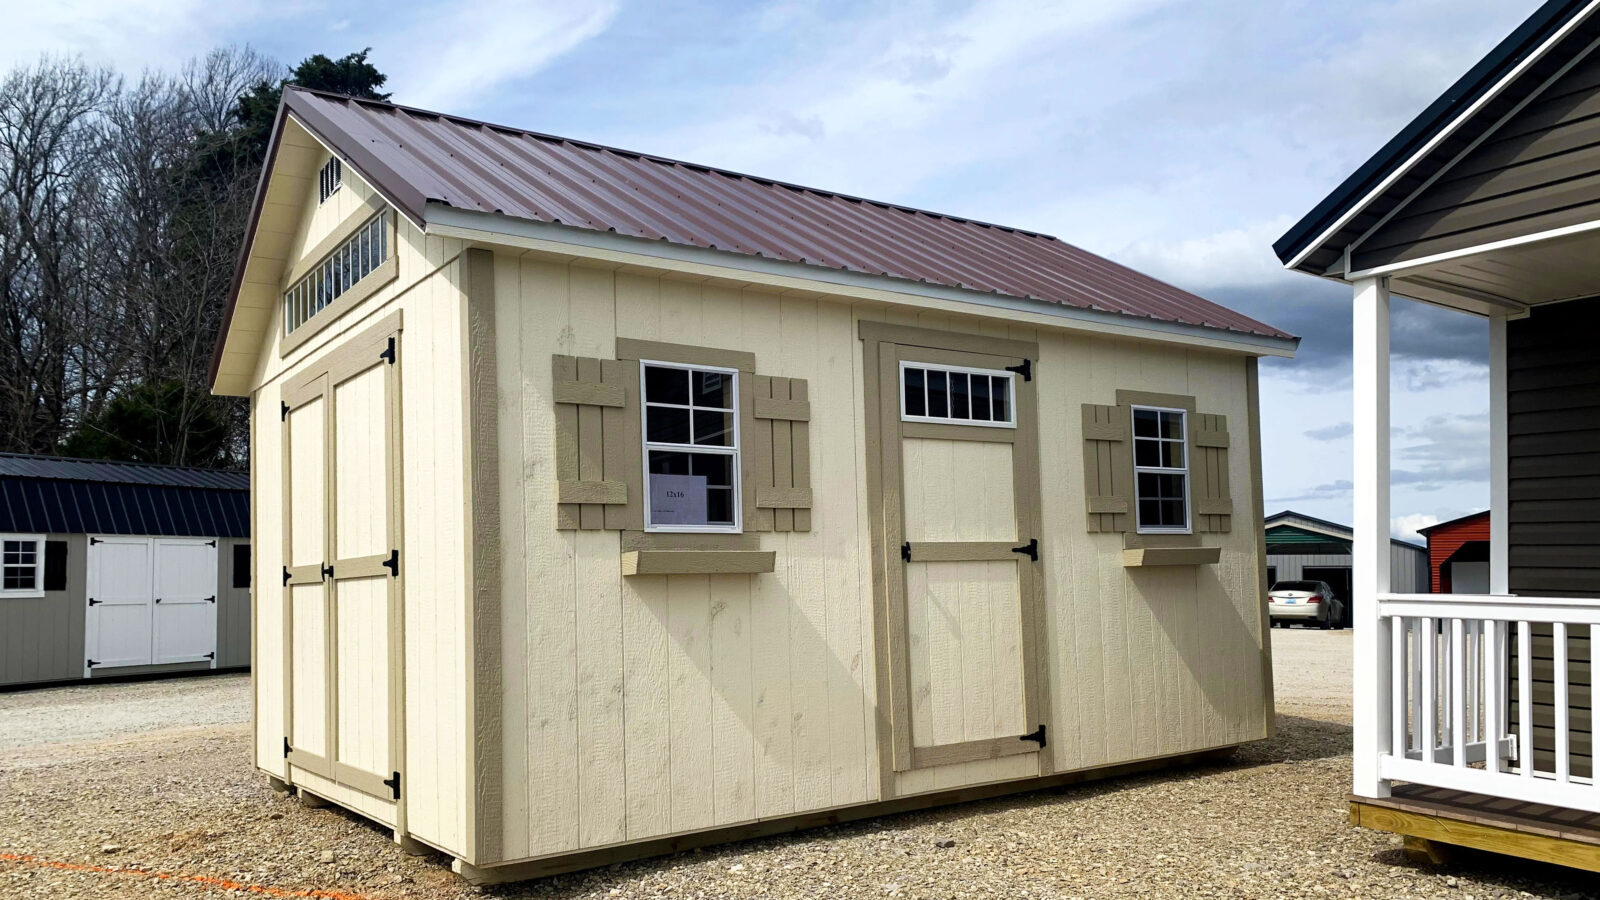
[(1499, 460), (1373, 653)]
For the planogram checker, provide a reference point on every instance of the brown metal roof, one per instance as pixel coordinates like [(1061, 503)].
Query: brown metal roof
[(416, 158)]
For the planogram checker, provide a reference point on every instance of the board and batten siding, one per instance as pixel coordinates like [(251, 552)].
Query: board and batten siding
[(635, 707), (1536, 172), (427, 292), (1553, 530)]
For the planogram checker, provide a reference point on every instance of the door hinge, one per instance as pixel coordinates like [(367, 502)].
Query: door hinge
[(158, 599), (394, 785), (93, 602), (95, 540), (1030, 549), (92, 663), (211, 599), (286, 575), (389, 353), (286, 748), (212, 655), (1037, 737), (327, 571), (1025, 369), (905, 551), (392, 563), (283, 413), (211, 543)]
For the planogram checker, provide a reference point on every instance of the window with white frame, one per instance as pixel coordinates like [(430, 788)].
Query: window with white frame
[(350, 262), (22, 565), (329, 179), (1161, 468), (956, 395), (691, 444)]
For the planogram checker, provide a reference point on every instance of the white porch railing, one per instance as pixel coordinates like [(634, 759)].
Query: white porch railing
[(1449, 684)]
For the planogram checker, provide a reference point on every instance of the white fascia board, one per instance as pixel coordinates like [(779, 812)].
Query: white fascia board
[(1438, 138), (494, 228)]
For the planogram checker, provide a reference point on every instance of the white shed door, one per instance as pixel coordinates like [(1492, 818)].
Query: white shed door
[(186, 601), (117, 630)]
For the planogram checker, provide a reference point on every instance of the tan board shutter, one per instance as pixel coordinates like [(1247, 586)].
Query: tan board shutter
[(776, 418), (1108, 466), (599, 462), (1208, 473)]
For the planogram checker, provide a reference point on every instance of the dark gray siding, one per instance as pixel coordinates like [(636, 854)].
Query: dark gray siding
[(41, 638), (1540, 170), (233, 611), (1554, 526)]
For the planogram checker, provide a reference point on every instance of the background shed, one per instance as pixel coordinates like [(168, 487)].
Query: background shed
[(1301, 547), (172, 544), (1458, 555)]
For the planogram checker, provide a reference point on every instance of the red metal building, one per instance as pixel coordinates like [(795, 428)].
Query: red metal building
[(1456, 548)]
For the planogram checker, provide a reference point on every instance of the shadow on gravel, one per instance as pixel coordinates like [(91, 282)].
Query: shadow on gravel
[(1298, 740)]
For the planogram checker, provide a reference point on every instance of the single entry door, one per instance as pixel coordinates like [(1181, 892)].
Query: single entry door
[(341, 578), (152, 601), (960, 511)]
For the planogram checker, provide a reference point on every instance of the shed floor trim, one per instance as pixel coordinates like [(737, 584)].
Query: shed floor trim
[(1530, 830)]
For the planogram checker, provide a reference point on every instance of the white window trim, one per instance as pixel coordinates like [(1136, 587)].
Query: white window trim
[(38, 566), (735, 451), (1011, 394), (1188, 511)]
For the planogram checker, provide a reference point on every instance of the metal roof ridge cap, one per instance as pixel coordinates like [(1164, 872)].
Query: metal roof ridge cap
[(473, 220)]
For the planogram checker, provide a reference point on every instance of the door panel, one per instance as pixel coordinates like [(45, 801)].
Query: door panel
[(363, 654), (119, 622), (308, 657), (960, 511), (361, 465), (186, 600), (307, 483)]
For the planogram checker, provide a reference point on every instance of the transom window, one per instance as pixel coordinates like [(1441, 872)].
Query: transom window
[(329, 179), (956, 395), (21, 565), (350, 262), (691, 440), (1161, 468)]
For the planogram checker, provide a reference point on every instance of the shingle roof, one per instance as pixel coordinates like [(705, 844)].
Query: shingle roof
[(417, 158), (50, 495)]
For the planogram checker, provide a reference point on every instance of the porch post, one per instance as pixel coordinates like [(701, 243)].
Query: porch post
[(1372, 664), (1499, 460)]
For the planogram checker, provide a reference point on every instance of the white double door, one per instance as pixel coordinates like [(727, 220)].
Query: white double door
[(151, 601)]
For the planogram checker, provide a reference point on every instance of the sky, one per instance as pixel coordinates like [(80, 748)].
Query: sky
[(1180, 138)]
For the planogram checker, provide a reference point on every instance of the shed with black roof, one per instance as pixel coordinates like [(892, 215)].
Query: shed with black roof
[(115, 569)]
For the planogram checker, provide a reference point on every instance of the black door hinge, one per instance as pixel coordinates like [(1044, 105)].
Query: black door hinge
[(327, 571), (212, 655), (1031, 549), (211, 599), (91, 663), (285, 748), (93, 602), (392, 563), (158, 599), (389, 353), (1025, 370), (394, 785), (211, 543), (95, 540), (285, 575), (1037, 737), (905, 551), (283, 413)]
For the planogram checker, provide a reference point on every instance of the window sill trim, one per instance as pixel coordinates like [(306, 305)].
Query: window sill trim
[(22, 595), (698, 562), (1171, 556)]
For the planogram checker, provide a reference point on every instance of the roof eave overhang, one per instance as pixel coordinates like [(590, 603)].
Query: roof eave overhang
[(499, 229), (1492, 75)]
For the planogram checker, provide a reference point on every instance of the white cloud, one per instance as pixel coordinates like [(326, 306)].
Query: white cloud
[(129, 35), (1234, 257), (1405, 527), (431, 69)]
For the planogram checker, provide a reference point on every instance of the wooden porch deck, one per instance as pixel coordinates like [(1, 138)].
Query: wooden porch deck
[(1430, 817)]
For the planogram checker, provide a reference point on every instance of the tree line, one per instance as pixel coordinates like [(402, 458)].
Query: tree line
[(123, 205)]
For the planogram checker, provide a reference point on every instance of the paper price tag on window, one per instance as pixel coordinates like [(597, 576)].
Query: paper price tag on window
[(678, 499)]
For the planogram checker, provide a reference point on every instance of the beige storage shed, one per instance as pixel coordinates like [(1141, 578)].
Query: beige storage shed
[(607, 505)]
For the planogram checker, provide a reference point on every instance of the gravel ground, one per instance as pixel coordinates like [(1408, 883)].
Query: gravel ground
[(184, 802)]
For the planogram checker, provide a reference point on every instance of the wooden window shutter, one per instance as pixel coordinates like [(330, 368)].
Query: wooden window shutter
[(1208, 474), (1108, 466), (776, 418), (599, 449)]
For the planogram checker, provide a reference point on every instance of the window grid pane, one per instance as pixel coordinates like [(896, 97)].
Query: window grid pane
[(690, 431), (1160, 455), (960, 396), (344, 268)]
